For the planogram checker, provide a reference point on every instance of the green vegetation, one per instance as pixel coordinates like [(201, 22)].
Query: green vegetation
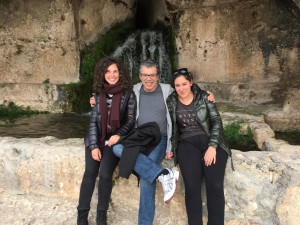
[(292, 137), (47, 81), (238, 139), (78, 94), (13, 110)]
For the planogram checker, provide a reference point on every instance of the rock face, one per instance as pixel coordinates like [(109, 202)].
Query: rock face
[(40, 180), (289, 117), (245, 51), (248, 49), (43, 97), (41, 40)]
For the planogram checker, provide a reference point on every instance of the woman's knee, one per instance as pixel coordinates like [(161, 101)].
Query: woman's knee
[(91, 173), (106, 175), (215, 188)]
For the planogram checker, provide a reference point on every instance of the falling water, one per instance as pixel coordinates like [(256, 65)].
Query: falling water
[(142, 45)]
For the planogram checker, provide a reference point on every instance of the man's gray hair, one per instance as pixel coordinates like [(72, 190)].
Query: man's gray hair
[(149, 63)]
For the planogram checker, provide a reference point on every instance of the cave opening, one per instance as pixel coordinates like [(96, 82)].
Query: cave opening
[(144, 14)]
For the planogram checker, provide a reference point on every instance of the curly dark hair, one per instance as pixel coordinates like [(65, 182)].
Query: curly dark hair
[(101, 68)]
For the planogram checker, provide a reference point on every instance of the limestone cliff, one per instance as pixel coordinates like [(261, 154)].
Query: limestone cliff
[(41, 41), (245, 51), (251, 47)]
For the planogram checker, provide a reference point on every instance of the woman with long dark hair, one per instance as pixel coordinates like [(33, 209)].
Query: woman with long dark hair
[(112, 116), (198, 147)]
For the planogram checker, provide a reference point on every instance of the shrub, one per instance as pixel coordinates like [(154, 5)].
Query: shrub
[(239, 140)]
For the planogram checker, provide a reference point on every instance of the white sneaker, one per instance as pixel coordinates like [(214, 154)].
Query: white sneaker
[(169, 184)]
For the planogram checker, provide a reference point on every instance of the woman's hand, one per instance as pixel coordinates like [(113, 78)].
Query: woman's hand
[(113, 140), (210, 156), (96, 154), (92, 101), (211, 97), (169, 155)]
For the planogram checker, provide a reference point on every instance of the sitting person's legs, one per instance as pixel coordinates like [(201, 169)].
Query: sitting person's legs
[(149, 170), (147, 190), (144, 166)]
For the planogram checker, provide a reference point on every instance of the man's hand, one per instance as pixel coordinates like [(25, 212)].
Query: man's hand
[(169, 155), (211, 97), (92, 101), (113, 140), (96, 154)]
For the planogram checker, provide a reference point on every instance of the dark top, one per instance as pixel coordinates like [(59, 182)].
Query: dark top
[(187, 121), (127, 119)]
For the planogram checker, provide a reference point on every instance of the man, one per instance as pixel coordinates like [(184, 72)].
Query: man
[(151, 107)]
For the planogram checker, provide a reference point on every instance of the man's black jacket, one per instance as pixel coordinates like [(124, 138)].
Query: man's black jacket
[(141, 140)]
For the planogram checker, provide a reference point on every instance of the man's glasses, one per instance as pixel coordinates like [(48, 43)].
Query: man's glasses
[(144, 75), (182, 71)]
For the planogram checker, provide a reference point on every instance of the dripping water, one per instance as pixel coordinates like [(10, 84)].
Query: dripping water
[(143, 45)]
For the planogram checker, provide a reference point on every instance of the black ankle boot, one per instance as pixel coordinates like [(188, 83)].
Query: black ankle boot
[(82, 217), (101, 217)]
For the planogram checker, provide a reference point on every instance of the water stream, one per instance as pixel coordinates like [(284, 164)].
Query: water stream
[(64, 126), (61, 126)]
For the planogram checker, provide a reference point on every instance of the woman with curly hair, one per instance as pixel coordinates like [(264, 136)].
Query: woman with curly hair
[(112, 116)]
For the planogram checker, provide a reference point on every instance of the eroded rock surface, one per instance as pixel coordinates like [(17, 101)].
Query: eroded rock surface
[(40, 180)]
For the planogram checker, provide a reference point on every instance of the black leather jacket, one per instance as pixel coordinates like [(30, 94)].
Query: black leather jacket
[(127, 119), (208, 118)]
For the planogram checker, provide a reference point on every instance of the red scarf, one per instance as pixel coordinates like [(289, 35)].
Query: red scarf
[(114, 120)]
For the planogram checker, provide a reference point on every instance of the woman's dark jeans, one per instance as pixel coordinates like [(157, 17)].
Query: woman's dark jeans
[(108, 164), (88, 181), (190, 159)]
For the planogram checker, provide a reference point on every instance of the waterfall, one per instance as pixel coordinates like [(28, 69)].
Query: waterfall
[(142, 45)]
